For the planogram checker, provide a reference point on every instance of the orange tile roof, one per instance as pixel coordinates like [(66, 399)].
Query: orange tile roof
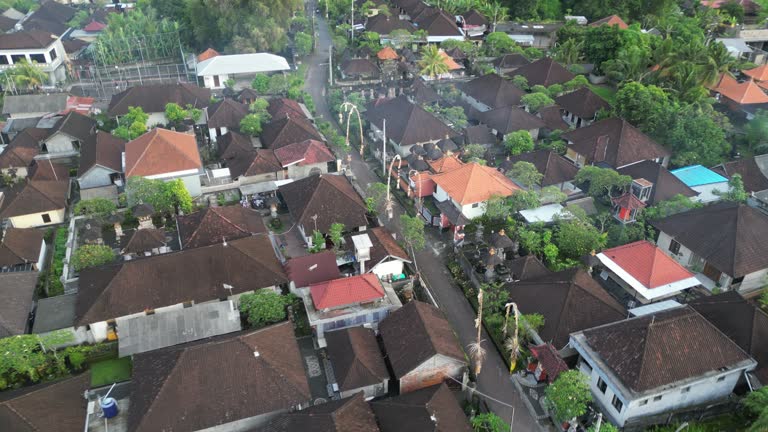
[(648, 264), (474, 183), (611, 21), (759, 73), (346, 291), (450, 62), (747, 92), (161, 151), (387, 53), (207, 54), (445, 164)]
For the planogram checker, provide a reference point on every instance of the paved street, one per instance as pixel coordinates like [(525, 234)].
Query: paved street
[(494, 379)]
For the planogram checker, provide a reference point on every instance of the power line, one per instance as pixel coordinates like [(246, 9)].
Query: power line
[(474, 390)]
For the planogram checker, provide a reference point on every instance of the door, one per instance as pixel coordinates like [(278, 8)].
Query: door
[(216, 82), (712, 273)]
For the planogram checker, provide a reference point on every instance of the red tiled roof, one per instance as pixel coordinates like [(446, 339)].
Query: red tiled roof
[(445, 164), (307, 152), (629, 201), (346, 291), (94, 26), (474, 183), (611, 21), (648, 264), (759, 73), (449, 62), (387, 53), (207, 54), (161, 151), (747, 92), (550, 360)]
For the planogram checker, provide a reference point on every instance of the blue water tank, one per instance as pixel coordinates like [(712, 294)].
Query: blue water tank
[(109, 407)]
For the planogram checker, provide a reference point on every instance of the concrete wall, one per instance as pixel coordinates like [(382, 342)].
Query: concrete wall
[(208, 81), (192, 183), (753, 281), (433, 371), (60, 143), (473, 210), (440, 194), (297, 172), (52, 67), (156, 118), (36, 219), (475, 103), (97, 176), (261, 178), (213, 133), (41, 257), (707, 192), (387, 268), (369, 392)]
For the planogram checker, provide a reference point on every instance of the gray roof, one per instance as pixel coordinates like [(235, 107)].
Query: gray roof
[(16, 291), (43, 103), (54, 313), (150, 332)]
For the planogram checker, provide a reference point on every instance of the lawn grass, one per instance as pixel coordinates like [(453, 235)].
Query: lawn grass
[(607, 93), (110, 371)]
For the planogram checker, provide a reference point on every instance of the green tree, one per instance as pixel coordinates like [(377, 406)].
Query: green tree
[(677, 204), (318, 242), (92, 255), (376, 197), (174, 113), (489, 422), (696, 138), (569, 52), (132, 125), (303, 43), (646, 107), (413, 232), (605, 427), (259, 107), (178, 195), (756, 404), (735, 190), (518, 142), (371, 41), (576, 83), (473, 151), (260, 83), (603, 182), (432, 63), (264, 307), (520, 82), (575, 238), (498, 43), (602, 43), (80, 19), (95, 207), (536, 101), (334, 232), (165, 197), (278, 84), (569, 395), (24, 75), (757, 132), (251, 125), (525, 173)]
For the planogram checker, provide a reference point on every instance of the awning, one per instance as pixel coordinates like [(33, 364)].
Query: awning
[(267, 186)]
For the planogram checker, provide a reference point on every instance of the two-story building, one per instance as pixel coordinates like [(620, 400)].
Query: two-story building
[(35, 47), (643, 368)]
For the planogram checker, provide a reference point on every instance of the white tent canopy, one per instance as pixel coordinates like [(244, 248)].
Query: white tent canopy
[(242, 64)]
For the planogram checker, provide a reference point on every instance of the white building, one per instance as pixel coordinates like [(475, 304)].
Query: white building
[(217, 70), (706, 182), (644, 368), (34, 46)]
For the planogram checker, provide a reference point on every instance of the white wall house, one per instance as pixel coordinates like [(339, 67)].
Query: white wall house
[(471, 210), (42, 48), (215, 71), (635, 401), (98, 176)]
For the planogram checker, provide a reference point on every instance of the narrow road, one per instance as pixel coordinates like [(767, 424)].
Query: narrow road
[(494, 379)]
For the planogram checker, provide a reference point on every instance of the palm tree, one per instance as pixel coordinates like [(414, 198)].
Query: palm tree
[(569, 52), (493, 11), (25, 75), (476, 350), (630, 65), (432, 62)]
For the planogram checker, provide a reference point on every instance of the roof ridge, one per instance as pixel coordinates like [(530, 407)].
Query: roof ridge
[(215, 211), (146, 149), (15, 411), (358, 357), (269, 364), (177, 146), (33, 183)]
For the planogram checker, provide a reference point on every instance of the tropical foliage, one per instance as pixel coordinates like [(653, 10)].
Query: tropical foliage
[(569, 395), (92, 255), (23, 75), (264, 307)]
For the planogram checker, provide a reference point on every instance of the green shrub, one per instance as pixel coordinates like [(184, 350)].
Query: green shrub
[(92, 255)]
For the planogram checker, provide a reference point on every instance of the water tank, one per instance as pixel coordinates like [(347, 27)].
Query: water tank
[(109, 407)]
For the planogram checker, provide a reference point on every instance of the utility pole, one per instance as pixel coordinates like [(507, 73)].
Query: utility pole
[(353, 20), (330, 66), (384, 150)]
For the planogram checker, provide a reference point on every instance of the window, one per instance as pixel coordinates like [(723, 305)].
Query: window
[(721, 378), (53, 54), (38, 58), (601, 385), (643, 402), (657, 398), (4, 60), (674, 247), (617, 403), (15, 58), (46, 218), (76, 144), (475, 205), (586, 366)]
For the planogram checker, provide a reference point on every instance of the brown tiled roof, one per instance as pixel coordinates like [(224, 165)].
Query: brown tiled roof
[(106, 150), (384, 245), (569, 300), (544, 72), (415, 333), (513, 60), (17, 289), (144, 240), (331, 197), (153, 98), (438, 24), (34, 197), (555, 168), (6, 23), (226, 113), (385, 25), (475, 18), (527, 267), (582, 102), (246, 163), (308, 152), (751, 174), (356, 359), (658, 350), (27, 39), (729, 236), (53, 406), (493, 91), (612, 20), (161, 151), (50, 16), (480, 134), (510, 119), (76, 126), (281, 107), (247, 94), (216, 224), (553, 118), (232, 144), (408, 123), (313, 268), (422, 93), (45, 169), (20, 246), (288, 130), (429, 409), (665, 185), (197, 275), (360, 67), (23, 148), (742, 322), (351, 414), (173, 388), (615, 142)]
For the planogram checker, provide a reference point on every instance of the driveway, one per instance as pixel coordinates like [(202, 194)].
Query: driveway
[(494, 380)]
